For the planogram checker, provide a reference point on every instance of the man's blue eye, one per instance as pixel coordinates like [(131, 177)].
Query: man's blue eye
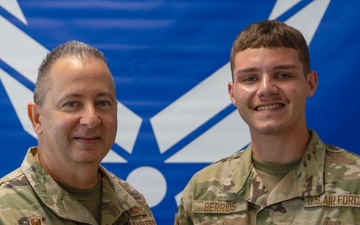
[(283, 75), (250, 79), (103, 103), (70, 104)]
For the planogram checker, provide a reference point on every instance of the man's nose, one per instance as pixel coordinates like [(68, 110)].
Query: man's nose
[(267, 86), (90, 118)]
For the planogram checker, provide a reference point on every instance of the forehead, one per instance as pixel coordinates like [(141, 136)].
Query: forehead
[(79, 68), (266, 58), (70, 74), (76, 62)]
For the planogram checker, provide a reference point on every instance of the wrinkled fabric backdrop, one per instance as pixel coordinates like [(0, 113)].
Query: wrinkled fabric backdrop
[(170, 61)]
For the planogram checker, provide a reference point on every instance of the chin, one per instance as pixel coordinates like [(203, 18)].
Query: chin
[(268, 130), (89, 157)]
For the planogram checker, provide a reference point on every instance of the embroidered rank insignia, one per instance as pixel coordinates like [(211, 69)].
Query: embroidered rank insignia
[(35, 220), (136, 211)]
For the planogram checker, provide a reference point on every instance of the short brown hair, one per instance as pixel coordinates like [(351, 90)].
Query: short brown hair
[(269, 34)]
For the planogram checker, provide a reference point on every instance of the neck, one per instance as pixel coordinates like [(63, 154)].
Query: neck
[(283, 147), (77, 176)]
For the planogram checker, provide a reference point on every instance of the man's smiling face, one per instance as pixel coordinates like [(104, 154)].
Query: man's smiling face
[(270, 89), (78, 121)]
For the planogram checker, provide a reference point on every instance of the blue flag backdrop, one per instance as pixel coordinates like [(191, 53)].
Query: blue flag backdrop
[(170, 61)]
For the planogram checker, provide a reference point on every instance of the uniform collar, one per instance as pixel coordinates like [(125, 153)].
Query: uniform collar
[(307, 179), (64, 205)]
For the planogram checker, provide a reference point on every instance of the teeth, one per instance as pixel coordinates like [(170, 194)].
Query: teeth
[(268, 107)]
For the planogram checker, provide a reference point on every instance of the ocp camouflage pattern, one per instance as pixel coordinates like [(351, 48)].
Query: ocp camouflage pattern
[(29, 196), (323, 189)]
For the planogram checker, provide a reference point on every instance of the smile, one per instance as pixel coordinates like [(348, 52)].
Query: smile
[(88, 140), (268, 107)]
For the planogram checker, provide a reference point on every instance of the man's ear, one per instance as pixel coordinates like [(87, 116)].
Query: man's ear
[(312, 80), (231, 92), (34, 116)]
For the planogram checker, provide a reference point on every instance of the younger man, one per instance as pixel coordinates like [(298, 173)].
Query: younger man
[(287, 175)]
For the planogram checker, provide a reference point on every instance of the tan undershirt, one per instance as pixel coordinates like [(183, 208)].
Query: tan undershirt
[(89, 198), (272, 173)]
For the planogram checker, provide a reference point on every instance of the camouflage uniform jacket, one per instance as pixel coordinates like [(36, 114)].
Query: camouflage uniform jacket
[(29, 196), (323, 189)]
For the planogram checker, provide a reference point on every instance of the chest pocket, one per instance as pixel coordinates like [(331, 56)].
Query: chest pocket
[(137, 215)]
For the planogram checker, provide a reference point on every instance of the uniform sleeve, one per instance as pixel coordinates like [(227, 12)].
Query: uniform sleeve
[(183, 216)]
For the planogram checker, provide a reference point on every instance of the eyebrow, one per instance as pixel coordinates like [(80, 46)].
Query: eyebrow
[(246, 70), (106, 94), (78, 95), (284, 67), (279, 67)]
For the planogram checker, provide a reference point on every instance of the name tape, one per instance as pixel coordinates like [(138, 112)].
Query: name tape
[(333, 200), (218, 206)]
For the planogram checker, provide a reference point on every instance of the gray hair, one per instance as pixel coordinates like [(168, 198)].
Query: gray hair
[(69, 49)]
